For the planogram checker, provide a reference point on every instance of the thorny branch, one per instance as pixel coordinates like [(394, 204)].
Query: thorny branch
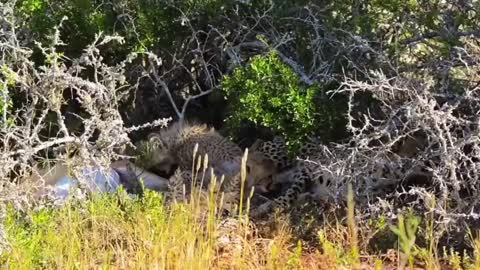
[(27, 136), (421, 132), (420, 121)]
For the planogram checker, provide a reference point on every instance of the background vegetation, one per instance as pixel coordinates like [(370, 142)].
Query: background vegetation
[(369, 73)]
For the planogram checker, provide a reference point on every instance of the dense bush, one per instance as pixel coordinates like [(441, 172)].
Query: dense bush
[(405, 76), (144, 24), (268, 93), (328, 40), (5, 100)]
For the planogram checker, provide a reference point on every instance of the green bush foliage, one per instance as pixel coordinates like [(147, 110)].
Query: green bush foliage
[(271, 94), (144, 24), (344, 35)]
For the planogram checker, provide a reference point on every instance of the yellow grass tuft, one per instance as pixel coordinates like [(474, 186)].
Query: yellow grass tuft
[(118, 232)]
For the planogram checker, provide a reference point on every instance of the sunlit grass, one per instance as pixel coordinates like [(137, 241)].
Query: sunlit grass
[(116, 231)]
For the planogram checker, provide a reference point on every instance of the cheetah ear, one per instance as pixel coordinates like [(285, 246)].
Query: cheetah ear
[(259, 158), (248, 168), (151, 136), (278, 139), (270, 164), (255, 146), (154, 139)]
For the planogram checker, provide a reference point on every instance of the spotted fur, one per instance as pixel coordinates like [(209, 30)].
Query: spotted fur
[(316, 174), (174, 147), (275, 150)]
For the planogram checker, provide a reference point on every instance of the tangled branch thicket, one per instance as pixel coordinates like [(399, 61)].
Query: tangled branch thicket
[(26, 130), (422, 129)]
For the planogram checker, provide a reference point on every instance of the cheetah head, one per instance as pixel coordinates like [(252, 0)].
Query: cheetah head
[(260, 170), (274, 150), (154, 155)]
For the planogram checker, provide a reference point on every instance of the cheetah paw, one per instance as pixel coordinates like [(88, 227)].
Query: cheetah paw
[(262, 210)]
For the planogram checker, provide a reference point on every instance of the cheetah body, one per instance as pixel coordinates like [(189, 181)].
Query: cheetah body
[(176, 145), (315, 174)]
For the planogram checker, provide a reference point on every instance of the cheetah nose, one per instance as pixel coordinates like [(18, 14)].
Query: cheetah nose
[(160, 172), (261, 189), (274, 187)]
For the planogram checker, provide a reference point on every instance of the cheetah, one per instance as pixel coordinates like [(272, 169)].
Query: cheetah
[(174, 148), (315, 174), (276, 150), (178, 185), (181, 186)]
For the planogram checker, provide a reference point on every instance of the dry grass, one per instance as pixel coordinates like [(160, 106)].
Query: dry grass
[(118, 232)]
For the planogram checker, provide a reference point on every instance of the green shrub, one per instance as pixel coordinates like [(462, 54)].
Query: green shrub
[(270, 94), (144, 24)]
